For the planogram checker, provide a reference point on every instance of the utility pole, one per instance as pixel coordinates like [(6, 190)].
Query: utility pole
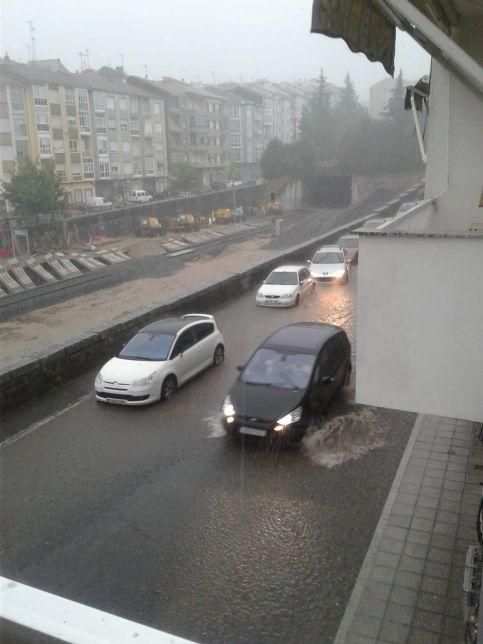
[(145, 72), (32, 39)]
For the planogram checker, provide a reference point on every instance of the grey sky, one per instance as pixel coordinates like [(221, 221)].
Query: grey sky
[(195, 40)]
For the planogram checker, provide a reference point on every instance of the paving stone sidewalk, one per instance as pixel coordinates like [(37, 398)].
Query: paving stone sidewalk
[(409, 588)]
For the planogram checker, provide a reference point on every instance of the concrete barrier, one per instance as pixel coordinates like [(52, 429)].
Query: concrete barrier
[(36, 375)]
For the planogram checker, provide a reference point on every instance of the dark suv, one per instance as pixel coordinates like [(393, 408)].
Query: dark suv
[(291, 377)]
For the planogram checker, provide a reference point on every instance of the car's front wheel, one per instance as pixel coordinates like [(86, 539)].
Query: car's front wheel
[(219, 355), (168, 390)]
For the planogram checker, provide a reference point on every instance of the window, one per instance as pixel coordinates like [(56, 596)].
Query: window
[(104, 172), (114, 170), (127, 169), (110, 102), (76, 172), (44, 146), (102, 147), (235, 111), (70, 96), (158, 128), (211, 125), (99, 99), (42, 121), (126, 146), (211, 107), (77, 196), (123, 103), (60, 174), (83, 100), (149, 165), (73, 146), (235, 126), (16, 98), (236, 154), (235, 139), (185, 341), (71, 123), (203, 330), (157, 108), (124, 127), (133, 103), (114, 146), (19, 125), (88, 168), (58, 146), (40, 95), (84, 122), (22, 148), (137, 168), (111, 124), (100, 123), (134, 127)]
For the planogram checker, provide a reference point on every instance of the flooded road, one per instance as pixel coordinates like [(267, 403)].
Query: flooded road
[(154, 515)]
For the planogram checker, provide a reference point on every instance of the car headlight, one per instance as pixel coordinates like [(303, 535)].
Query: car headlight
[(99, 378), (228, 409), (292, 417), (145, 381)]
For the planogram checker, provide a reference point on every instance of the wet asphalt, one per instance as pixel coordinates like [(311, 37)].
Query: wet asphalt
[(154, 515)]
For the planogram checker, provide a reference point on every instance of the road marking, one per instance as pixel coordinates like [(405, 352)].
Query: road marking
[(31, 428)]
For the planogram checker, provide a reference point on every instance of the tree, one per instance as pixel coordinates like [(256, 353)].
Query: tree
[(35, 189), (316, 124), (183, 177), (274, 160), (348, 111), (394, 109)]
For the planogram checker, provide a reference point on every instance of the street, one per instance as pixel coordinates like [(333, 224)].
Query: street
[(154, 515)]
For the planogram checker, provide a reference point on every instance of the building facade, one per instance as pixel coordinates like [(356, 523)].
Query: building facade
[(104, 135)]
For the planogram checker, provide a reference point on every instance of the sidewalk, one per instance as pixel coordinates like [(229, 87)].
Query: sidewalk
[(410, 587)]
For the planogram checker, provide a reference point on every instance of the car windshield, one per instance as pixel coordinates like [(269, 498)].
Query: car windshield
[(328, 258), (282, 278), (285, 370), (148, 346)]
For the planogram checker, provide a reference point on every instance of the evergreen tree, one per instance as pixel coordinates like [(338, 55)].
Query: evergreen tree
[(274, 160), (394, 109), (316, 125), (348, 111)]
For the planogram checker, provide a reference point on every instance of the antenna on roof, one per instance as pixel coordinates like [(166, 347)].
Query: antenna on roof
[(145, 72), (87, 59), (32, 39), (121, 56), (82, 60)]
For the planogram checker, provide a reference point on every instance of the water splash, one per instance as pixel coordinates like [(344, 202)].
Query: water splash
[(214, 426), (344, 438)]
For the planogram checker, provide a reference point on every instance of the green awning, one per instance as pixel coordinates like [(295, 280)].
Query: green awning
[(361, 24)]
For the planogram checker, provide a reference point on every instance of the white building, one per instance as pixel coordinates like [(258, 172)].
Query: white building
[(420, 293)]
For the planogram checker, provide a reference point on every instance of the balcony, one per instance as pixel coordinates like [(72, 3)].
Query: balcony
[(420, 312)]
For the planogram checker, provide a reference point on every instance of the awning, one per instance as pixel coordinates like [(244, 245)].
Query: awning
[(361, 24)]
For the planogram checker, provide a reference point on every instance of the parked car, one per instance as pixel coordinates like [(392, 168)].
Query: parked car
[(139, 196), (330, 264), (98, 202), (350, 243), (290, 378), (374, 224), (285, 286), (159, 359)]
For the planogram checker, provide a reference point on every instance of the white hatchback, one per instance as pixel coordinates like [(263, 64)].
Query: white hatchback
[(285, 286), (159, 358)]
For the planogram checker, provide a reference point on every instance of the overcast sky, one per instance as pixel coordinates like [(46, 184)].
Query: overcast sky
[(195, 40)]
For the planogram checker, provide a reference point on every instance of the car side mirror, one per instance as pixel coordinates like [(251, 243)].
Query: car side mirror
[(327, 380), (240, 367)]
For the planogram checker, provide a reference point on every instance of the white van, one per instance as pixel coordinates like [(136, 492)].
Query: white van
[(97, 202), (139, 196)]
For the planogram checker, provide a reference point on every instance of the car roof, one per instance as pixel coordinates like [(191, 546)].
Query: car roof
[(288, 268), (333, 248), (172, 326), (306, 336)]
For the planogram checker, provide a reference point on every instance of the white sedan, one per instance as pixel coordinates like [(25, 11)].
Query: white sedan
[(159, 358), (285, 286)]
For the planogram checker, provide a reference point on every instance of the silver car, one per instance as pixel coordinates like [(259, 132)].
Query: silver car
[(285, 286), (330, 264)]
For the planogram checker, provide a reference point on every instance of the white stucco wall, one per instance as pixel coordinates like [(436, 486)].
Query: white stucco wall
[(420, 325)]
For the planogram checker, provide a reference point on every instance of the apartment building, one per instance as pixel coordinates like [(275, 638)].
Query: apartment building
[(104, 135), (197, 127)]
